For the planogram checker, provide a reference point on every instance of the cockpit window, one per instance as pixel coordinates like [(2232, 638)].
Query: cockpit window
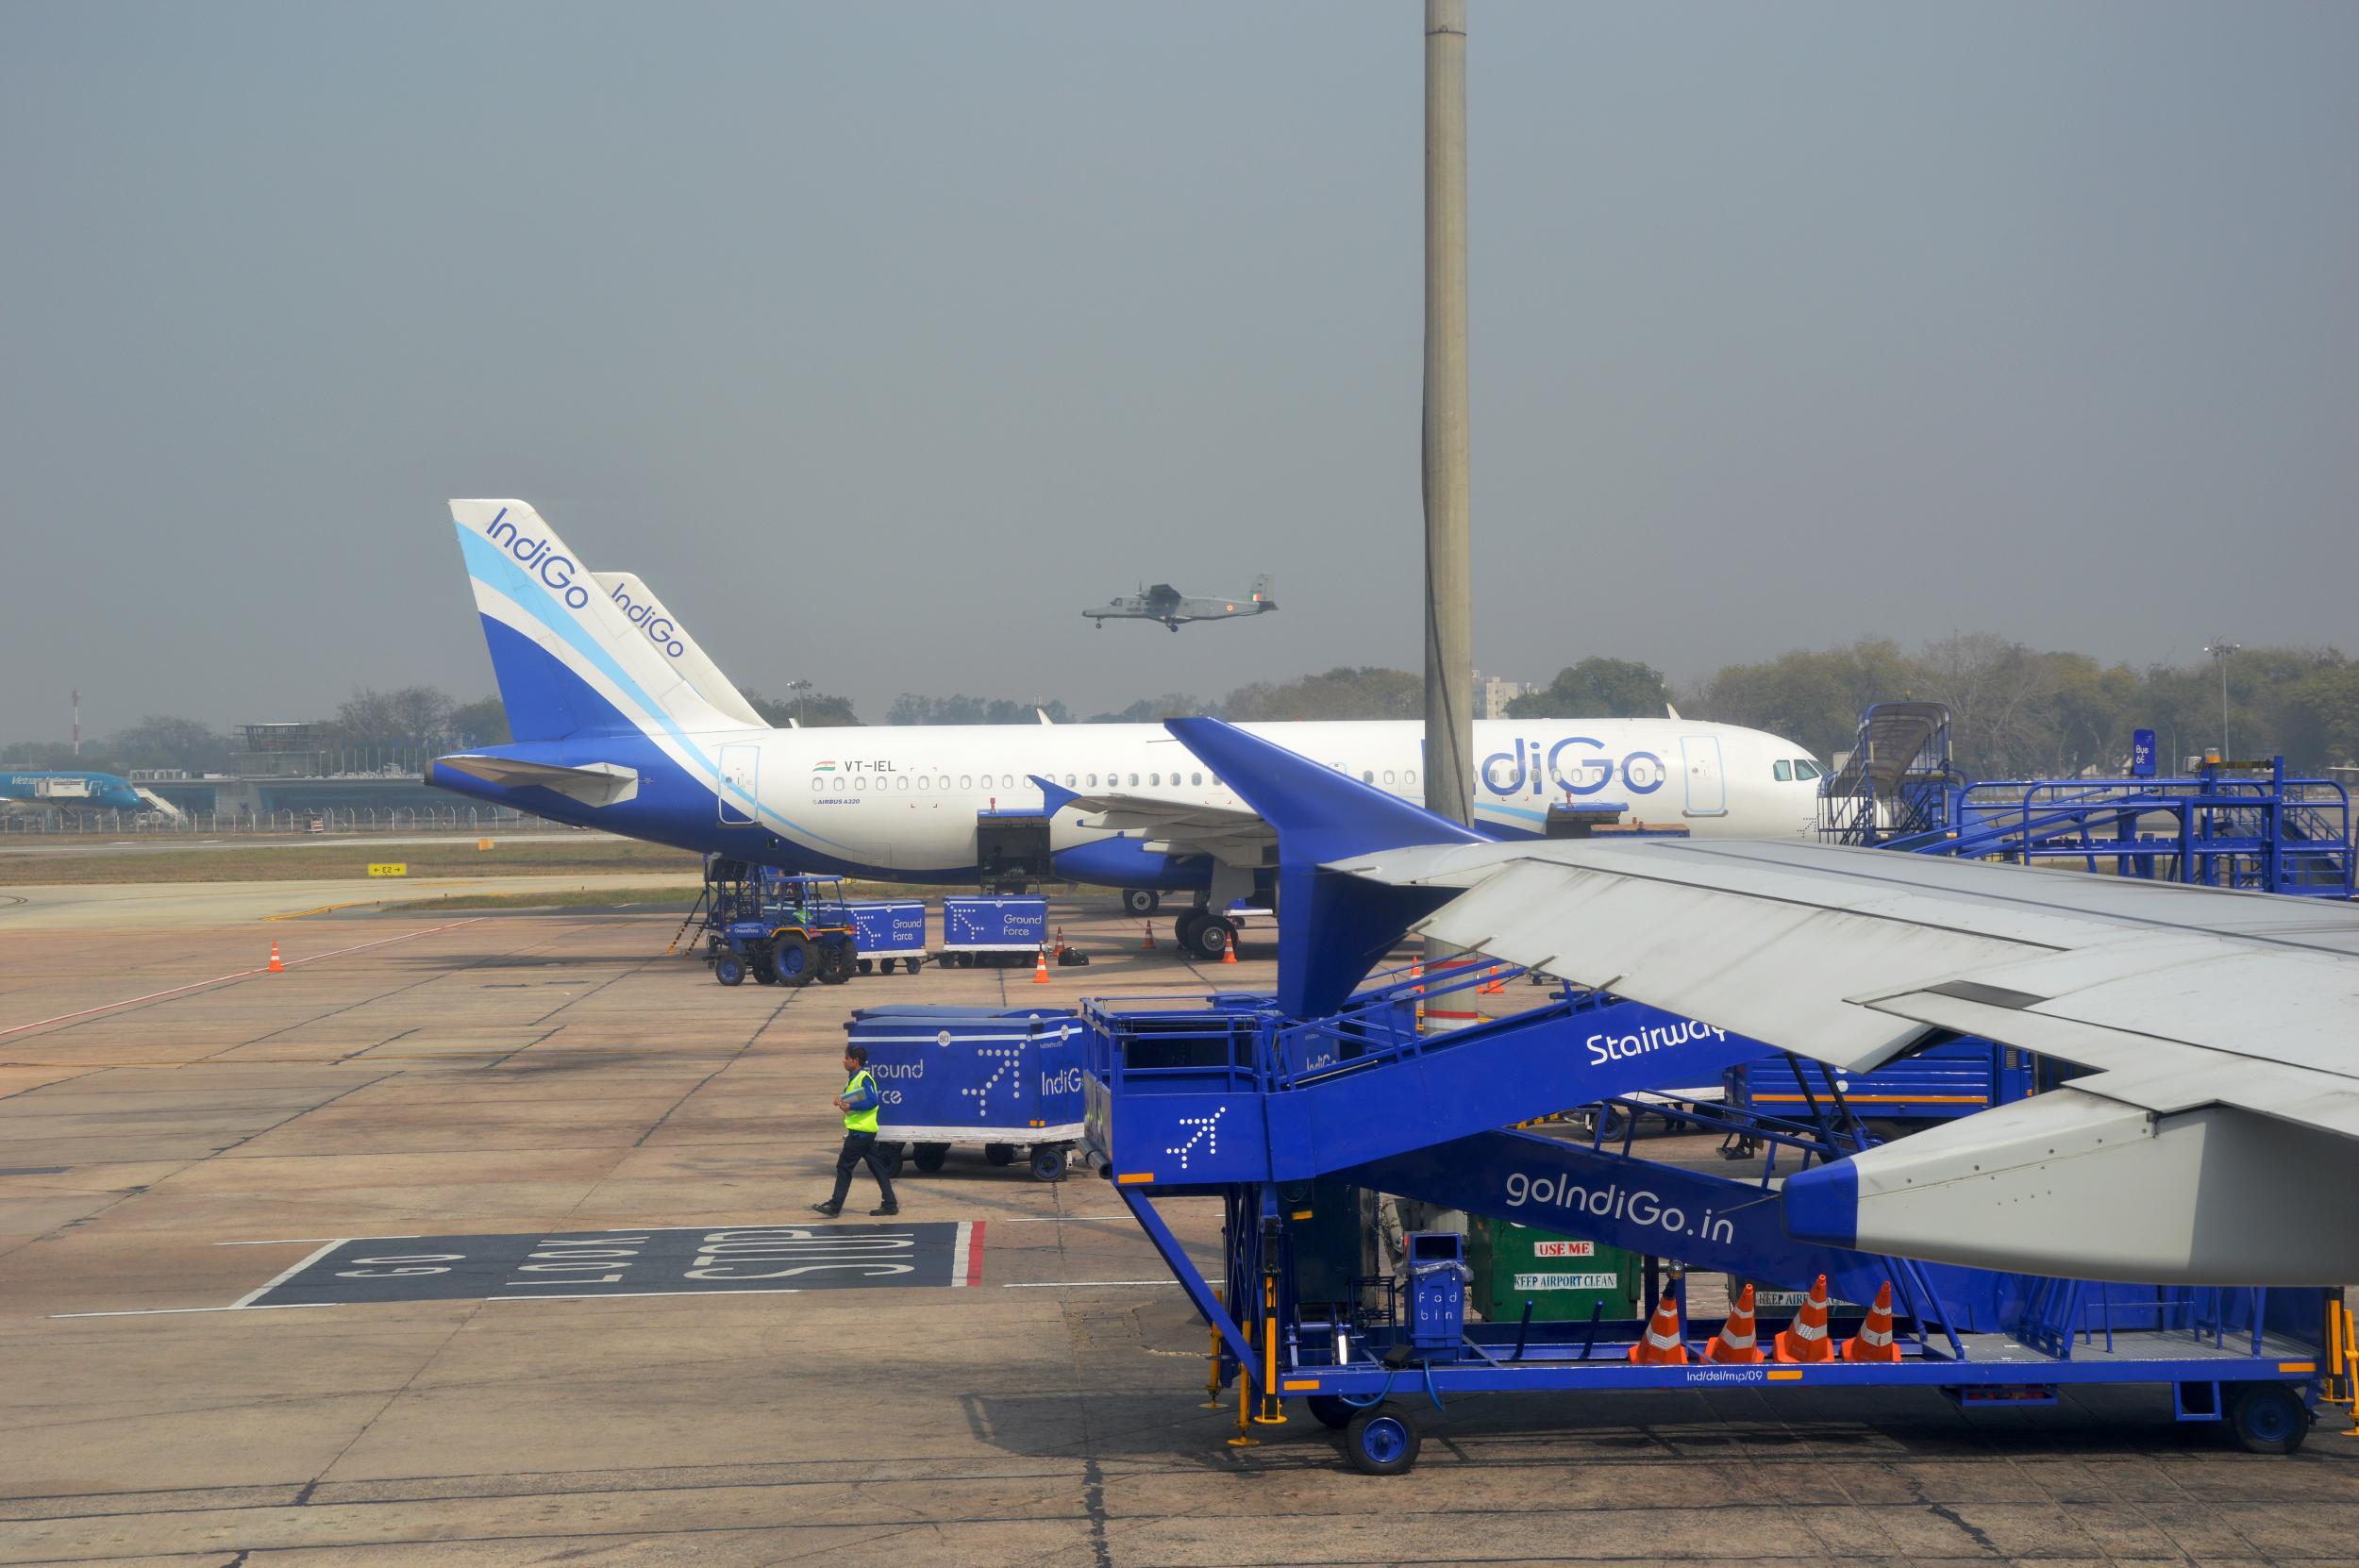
[(1805, 768), (1786, 772)]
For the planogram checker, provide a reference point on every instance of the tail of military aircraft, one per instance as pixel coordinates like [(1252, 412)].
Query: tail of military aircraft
[(1261, 588), (569, 660)]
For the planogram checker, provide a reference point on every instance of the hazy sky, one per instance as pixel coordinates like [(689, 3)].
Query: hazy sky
[(882, 339)]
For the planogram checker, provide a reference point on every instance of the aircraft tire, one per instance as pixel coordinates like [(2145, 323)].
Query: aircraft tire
[(1209, 937)]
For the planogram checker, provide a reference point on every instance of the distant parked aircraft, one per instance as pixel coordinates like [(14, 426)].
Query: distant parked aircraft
[(1167, 604), (77, 791), (621, 724)]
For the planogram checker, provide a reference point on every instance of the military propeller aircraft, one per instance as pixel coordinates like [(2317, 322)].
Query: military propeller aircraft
[(1167, 604)]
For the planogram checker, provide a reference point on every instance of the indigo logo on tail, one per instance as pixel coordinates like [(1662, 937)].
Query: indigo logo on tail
[(537, 556), (658, 629)]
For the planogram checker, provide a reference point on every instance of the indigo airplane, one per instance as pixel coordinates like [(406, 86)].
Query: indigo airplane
[(77, 791), (621, 723)]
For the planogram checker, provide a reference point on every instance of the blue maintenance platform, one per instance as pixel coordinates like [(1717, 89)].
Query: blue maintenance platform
[(2227, 825), (1237, 1098)]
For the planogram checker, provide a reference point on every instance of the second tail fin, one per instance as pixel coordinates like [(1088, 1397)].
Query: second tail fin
[(639, 605)]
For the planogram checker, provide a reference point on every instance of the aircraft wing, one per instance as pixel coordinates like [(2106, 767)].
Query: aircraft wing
[(1234, 835), (2219, 1028), (593, 784)]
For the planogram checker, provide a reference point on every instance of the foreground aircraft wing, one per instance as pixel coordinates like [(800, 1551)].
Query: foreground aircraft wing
[(595, 784), (2221, 1030)]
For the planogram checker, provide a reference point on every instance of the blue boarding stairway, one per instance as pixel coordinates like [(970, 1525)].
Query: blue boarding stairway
[(1236, 1098)]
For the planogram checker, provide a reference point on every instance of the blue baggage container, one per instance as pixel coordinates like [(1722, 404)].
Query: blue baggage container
[(1008, 1079), (891, 933), (993, 930)]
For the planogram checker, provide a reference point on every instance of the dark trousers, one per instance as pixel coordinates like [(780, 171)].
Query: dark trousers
[(860, 1146)]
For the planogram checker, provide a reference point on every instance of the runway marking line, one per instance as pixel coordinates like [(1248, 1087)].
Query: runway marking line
[(360, 903), (175, 1311), (224, 979)]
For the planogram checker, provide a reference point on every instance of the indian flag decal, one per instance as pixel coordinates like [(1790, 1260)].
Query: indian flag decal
[(823, 767)]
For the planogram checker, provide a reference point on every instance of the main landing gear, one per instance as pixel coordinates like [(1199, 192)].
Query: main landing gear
[(1203, 934)]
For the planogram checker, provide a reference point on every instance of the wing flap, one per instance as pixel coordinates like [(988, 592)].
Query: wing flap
[(1180, 827), (1777, 972)]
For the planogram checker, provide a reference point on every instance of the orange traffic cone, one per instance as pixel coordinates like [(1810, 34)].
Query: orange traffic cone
[(1873, 1343), (1147, 945), (1040, 966), (1060, 941), (1229, 947), (1662, 1345), (274, 967), (1806, 1339), (1736, 1342), (1495, 985)]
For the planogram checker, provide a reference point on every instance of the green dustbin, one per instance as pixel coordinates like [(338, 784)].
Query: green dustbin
[(1565, 1278)]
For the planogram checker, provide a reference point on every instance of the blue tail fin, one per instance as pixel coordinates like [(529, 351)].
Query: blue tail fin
[(1332, 928), (568, 659)]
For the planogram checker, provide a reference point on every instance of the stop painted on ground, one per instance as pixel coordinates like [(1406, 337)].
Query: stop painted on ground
[(651, 1260)]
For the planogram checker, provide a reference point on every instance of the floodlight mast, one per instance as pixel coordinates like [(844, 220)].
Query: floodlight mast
[(1448, 587)]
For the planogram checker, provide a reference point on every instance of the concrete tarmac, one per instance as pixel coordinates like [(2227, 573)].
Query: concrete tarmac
[(135, 908), (177, 1131)]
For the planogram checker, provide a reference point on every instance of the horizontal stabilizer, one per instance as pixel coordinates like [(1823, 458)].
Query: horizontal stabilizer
[(592, 784)]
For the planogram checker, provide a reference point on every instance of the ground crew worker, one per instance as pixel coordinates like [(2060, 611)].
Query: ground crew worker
[(859, 1103)]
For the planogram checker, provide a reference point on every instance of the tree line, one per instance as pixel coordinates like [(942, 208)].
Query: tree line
[(2017, 711)]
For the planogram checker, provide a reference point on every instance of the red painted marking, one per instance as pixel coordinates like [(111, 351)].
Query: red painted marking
[(975, 1252)]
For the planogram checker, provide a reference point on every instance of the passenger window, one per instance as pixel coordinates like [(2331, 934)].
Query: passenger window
[(965, 782), (817, 783), (1135, 781), (904, 781), (1409, 777), (1155, 778), (924, 783), (1195, 778), (1092, 778), (1367, 775), (1388, 776), (838, 783), (1785, 773)]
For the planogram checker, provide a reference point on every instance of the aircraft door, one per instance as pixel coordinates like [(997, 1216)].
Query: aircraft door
[(1707, 786), (741, 783)]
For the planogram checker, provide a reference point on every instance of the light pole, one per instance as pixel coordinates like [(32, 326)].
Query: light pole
[(2220, 650), (798, 688)]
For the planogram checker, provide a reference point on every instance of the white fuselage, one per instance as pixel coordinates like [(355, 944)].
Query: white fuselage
[(907, 797)]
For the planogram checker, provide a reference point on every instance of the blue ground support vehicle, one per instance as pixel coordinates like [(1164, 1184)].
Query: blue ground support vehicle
[(1240, 1099), (1008, 1079), (891, 932), (993, 931), (798, 930)]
